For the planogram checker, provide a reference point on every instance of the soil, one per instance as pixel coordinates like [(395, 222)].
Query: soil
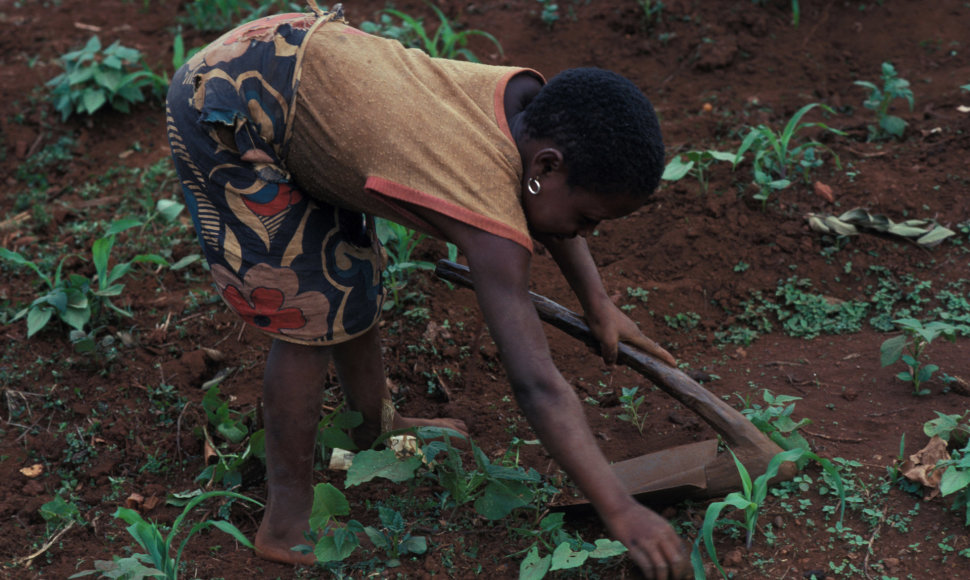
[(106, 427)]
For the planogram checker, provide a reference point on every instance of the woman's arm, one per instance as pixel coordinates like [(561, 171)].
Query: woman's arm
[(607, 322), (500, 270)]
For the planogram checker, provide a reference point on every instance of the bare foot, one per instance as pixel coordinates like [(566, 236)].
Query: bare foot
[(278, 547), (445, 423), (365, 435)]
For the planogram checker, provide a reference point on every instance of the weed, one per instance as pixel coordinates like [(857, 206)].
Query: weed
[(59, 513), (915, 339), (774, 419), (550, 12), (697, 165), (632, 405), (158, 547), (93, 78), (683, 321), (777, 157), (955, 431), (394, 538), (399, 243), (565, 556), (650, 12), (218, 15), (77, 299), (446, 42), (749, 500), (36, 168), (879, 101)]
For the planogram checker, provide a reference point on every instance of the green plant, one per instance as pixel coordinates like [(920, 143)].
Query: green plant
[(777, 157), (683, 320), (955, 480), (158, 547), (394, 538), (218, 15), (550, 12), (775, 421), (77, 299), (59, 513), (631, 408), (697, 164), (650, 11), (446, 42), (879, 101), (916, 337), (93, 78), (495, 489), (399, 243), (749, 500), (566, 551)]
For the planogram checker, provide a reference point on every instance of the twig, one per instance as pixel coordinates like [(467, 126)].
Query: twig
[(893, 412), (26, 561), (178, 435), (830, 438), (872, 539)]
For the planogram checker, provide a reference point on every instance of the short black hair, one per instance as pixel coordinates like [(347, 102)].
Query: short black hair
[(606, 129)]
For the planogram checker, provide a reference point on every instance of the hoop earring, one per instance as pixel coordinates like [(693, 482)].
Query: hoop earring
[(533, 185)]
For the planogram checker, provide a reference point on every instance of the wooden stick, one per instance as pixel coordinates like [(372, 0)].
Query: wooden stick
[(752, 446)]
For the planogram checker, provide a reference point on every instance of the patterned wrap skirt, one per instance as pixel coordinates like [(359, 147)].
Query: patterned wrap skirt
[(291, 266)]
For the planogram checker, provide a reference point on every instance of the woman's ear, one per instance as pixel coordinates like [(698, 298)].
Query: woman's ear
[(548, 159)]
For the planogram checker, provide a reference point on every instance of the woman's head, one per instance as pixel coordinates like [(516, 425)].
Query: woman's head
[(605, 128)]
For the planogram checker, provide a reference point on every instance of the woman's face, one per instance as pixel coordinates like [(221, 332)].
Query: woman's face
[(564, 212)]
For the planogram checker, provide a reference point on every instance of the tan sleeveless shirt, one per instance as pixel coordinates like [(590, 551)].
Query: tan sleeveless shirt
[(375, 124)]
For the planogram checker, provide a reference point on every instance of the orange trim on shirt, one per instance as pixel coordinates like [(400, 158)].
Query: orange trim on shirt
[(406, 194)]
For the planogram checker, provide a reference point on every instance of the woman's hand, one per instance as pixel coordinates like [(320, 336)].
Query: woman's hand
[(610, 325), (653, 545)]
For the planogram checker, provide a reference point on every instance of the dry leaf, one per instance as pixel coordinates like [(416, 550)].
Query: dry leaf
[(824, 191), (921, 466), (211, 457), (33, 471), (134, 501)]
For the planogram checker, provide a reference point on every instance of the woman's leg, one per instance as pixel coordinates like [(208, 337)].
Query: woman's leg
[(360, 369), (292, 395)]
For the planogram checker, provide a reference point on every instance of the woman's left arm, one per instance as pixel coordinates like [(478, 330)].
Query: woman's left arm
[(607, 322)]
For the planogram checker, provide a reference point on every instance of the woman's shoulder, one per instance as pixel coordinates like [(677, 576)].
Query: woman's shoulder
[(520, 91)]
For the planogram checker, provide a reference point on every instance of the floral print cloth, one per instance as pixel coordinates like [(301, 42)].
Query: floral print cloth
[(292, 266)]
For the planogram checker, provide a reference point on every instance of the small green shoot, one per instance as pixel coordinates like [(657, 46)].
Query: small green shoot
[(915, 339), (879, 100), (399, 243), (774, 420), (550, 13), (777, 157), (447, 42), (632, 405), (750, 500), (696, 164), (158, 548)]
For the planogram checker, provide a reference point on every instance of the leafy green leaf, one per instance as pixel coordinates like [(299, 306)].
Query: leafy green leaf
[(534, 567), (892, 349), (954, 480), (369, 464), (564, 557), (606, 548), (328, 501)]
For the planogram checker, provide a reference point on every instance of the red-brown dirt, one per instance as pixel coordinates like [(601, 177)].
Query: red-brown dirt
[(105, 429)]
